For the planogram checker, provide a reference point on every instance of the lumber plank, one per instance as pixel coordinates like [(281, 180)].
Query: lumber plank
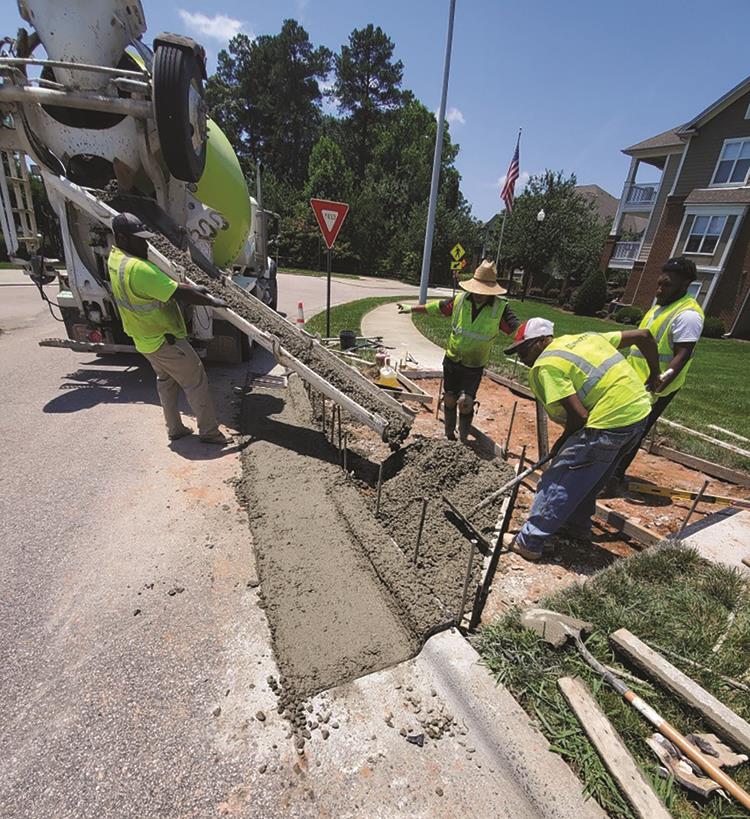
[(702, 435), (728, 724), (612, 750), (513, 386), (629, 527), (724, 473)]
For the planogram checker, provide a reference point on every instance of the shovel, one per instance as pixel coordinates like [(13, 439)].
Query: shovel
[(556, 628)]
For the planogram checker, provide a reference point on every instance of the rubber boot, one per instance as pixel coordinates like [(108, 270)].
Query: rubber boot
[(450, 422), (464, 425)]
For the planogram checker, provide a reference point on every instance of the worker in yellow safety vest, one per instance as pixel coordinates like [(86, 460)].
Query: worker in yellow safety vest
[(148, 301), (478, 316), (589, 388), (676, 323)]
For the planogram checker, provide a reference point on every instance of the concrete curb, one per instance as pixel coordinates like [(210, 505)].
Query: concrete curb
[(504, 731)]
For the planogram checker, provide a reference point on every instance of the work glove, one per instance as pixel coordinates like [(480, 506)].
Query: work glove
[(403, 308), (217, 302)]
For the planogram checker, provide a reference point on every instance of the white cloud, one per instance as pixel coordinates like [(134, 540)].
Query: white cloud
[(523, 178), (455, 117), (218, 27)]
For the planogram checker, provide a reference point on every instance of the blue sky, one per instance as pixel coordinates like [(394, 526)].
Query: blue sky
[(584, 78)]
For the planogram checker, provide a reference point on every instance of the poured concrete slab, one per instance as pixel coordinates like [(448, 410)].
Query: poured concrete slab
[(722, 538)]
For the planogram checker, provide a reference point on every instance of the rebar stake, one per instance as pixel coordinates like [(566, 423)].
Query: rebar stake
[(346, 445), (696, 501), (419, 533), (506, 448), (465, 594), (380, 486), (339, 418)]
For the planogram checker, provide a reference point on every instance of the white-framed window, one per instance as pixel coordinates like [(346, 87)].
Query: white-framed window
[(734, 163), (704, 235)]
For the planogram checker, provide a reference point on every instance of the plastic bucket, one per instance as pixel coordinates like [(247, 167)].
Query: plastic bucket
[(347, 339)]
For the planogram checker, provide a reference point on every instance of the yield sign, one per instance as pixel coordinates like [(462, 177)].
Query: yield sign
[(330, 216)]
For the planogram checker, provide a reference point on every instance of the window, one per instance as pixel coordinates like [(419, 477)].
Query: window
[(704, 234), (734, 163)]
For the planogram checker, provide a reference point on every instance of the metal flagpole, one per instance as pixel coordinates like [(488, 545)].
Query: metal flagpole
[(500, 240), (430, 230)]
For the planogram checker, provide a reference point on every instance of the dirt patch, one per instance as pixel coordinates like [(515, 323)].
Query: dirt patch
[(432, 468)]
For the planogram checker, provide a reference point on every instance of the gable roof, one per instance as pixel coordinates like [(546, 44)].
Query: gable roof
[(675, 137), (604, 202), (666, 139)]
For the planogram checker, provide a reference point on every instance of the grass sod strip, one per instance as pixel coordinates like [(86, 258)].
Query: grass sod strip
[(715, 391), (669, 597)]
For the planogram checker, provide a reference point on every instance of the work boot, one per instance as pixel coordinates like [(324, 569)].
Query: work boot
[(464, 425), (181, 432), (450, 422), (509, 541), (215, 438)]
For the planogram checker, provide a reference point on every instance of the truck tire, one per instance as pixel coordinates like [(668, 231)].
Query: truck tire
[(180, 111)]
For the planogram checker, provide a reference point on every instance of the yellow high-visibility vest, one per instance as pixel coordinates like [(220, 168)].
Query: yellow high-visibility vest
[(657, 321), (145, 320), (470, 342), (601, 377)]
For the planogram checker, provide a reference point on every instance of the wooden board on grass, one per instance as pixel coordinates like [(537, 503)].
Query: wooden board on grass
[(615, 755)]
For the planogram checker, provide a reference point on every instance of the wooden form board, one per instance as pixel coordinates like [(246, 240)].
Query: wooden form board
[(728, 724), (615, 755), (724, 473)]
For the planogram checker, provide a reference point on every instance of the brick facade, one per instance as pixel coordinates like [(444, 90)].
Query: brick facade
[(733, 284), (607, 250), (643, 286)]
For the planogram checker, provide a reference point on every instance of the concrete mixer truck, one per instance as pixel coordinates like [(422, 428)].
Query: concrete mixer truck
[(111, 124)]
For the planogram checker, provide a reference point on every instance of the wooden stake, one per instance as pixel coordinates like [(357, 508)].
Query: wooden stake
[(469, 567)]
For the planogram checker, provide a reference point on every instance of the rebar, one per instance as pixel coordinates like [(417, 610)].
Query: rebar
[(506, 448), (469, 567), (696, 501), (380, 486), (421, 527)]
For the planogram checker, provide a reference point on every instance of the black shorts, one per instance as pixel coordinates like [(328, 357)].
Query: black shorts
[(458, 379)]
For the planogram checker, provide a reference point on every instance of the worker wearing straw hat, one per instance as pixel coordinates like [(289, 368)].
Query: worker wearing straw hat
[(478, 316)]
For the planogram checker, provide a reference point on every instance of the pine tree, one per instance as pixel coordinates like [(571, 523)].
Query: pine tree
[(590, 297)]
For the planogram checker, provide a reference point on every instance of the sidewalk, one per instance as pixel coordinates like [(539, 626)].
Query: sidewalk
[(399, 332)]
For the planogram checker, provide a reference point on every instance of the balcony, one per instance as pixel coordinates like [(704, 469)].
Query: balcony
[(639, 196), (624, 254)]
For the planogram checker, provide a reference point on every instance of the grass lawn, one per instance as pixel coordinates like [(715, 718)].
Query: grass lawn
[(299, 271), (668, 597), (715, 392), (347, 316)]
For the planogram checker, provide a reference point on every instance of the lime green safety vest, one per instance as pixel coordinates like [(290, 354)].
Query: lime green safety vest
[(658, 320), (145, 320), (602, 378), (470, 341)]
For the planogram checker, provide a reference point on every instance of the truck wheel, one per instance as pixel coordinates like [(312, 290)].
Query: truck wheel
[(180, 111)]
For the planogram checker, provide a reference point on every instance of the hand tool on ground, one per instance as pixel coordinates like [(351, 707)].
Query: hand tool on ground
[(685, 494), (556, 628), (469, 525), (506, 486)]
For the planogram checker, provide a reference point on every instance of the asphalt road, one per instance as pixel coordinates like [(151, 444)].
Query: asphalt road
[(126, 618)]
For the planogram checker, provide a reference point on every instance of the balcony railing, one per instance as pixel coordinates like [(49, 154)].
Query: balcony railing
[(640, 195), (626, 251)]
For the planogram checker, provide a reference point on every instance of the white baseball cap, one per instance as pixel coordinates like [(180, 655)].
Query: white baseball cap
[(532, 328)]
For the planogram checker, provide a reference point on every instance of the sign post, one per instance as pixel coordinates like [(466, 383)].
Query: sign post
[(330, 217), (458, 263)]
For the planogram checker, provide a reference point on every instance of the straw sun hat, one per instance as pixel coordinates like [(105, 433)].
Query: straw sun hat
[(484, 281)]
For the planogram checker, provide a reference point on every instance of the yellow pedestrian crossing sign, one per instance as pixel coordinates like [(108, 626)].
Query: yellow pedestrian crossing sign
[(457, 251)]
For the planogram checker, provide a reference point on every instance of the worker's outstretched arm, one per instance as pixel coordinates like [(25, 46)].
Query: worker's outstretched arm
[(187, 294), (409, 308), (644, 341)]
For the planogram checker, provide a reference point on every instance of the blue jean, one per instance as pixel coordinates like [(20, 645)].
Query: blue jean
[(566, 494)]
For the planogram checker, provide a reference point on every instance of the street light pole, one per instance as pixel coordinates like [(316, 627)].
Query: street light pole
[(539, 219), (430, 229)]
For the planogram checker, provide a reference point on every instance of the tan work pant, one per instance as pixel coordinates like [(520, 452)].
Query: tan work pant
[(177, 365)]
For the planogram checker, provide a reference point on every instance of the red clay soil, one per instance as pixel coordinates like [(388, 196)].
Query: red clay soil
[(521, 583)]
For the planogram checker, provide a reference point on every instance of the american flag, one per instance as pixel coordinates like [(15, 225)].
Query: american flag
[(507, 193)]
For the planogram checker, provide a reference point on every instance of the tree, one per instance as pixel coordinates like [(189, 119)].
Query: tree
[(566, 245), (366, 85), (591, 296), (265, 95), (328, 176)]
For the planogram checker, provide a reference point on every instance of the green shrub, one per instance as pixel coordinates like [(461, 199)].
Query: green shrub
[(591, 295), (553, 293), (629, 314), (713, 327)]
